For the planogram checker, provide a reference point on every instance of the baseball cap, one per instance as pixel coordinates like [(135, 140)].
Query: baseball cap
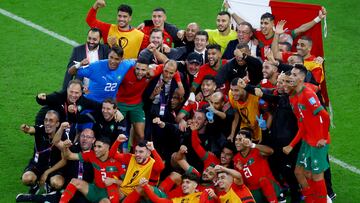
[(194, 57)]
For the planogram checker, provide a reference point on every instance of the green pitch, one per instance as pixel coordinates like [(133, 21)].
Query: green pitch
[(32, 62)]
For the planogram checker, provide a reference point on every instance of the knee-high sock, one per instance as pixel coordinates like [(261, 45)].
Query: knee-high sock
[(113, 193), (320, 191), (68, 193), (134, 196), (268, 190)]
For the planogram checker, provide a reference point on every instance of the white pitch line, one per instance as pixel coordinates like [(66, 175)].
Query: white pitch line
[(38, 27), (73, 43), (344, 165)]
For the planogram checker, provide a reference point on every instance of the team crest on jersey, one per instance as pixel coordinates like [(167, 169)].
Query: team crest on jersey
[(167, 40), (312, 101), (119, 77), (79, 107), (251, 161), (112, 127)]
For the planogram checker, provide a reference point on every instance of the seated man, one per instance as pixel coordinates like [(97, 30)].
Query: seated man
[(44, 167), (107, 172), (230, 187), (105, 122), (251, 162), (189, 184), (139, 165)]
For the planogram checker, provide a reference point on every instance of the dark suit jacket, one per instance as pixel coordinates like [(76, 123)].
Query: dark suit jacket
[(78, 54)]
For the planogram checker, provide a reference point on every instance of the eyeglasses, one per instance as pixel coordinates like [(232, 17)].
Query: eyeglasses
[(87, 136)]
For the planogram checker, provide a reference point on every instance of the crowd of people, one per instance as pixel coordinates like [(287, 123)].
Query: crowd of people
[(160, 114)]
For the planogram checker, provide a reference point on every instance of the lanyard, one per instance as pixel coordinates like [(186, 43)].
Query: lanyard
[(81, 170)]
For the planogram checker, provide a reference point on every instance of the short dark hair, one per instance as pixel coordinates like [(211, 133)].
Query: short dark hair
[(75, 81), (190, 176), (105, 140), (248, 132), (143, 60), (267, 15), (202, 32), (209, 77), (301, 68), (222, 13), (142, 143), (287, 73), (242, 45), (307, 38), (160, 9), (213, 46), (118, 50), (229, 145), (234, 81), (111, 101), (95, 29), (125, 8), (156, 30)]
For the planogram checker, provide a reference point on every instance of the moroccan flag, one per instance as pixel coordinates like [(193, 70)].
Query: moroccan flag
[(295, 14)]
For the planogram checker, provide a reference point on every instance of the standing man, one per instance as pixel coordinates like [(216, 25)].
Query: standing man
[(158, 19), (105, 75), (92, 50), (213, 67), (243, 64), (123, 34), (313, 122), (223, 34), (129, 96), (245, 34), (266, 33)]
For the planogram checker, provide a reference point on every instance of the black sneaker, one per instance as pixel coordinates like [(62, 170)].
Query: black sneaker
[(53, 197), (332, 196), (24, 197), (34, 189), (282, 198)]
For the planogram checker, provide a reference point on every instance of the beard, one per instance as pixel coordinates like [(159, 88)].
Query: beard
[(92, 46)]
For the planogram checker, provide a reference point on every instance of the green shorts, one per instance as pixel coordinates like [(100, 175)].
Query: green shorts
[(95, 193), (158, 193), (313, 158), (134, 111), (259, 196)]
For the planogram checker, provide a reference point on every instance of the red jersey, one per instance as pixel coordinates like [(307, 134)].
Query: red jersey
[(207, 157), (168, 40), (206, 70), (109, 168), (105, 28), (265, 44), (131, 89), (312, 125), (265, 83), (157, 167), (252, 167), (236, 194), (190, 108)]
